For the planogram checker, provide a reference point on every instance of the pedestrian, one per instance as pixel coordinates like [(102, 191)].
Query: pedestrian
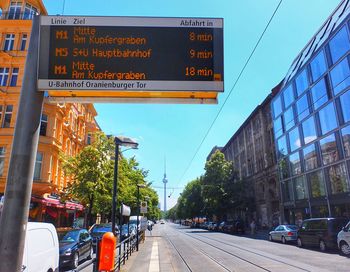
[(252, 227), (149, 227)]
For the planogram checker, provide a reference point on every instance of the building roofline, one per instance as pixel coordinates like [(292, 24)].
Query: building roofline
[(266, 101)]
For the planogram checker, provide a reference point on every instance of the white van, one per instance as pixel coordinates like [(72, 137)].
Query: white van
[(41, 250)]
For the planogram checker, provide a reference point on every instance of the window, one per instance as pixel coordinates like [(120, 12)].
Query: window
[(9, 42), (300, 188), (288, 95), (88, 139), (309, 130), (302, 107), (301, 82), (295, 166), (340, 76), (2, 160), (277, 127), (288, 191), (319, 94), (277, 106), (345, 133), (294, 139), (282, 147), (23, 42), (339, 44), (38, 165), (4, 75), (43, 124), (345, 106), (329, 149), (29, 12), (15, 10), (283, 169), (317, 184), (318, 66), (8, 116), (328, 120), (14, 77), (338, 178), (289, 118), (0, 114), (310, 157)]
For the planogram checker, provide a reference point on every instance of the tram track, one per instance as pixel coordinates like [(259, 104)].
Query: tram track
[(246, 260), (202, 252)]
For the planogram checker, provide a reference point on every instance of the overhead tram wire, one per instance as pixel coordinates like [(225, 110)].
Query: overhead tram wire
[(63, 6), (233, 87)]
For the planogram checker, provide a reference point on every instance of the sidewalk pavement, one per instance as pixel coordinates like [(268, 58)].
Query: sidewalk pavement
[(153, 256)]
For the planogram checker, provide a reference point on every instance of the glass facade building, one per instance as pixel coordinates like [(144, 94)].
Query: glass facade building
[(311, 118)]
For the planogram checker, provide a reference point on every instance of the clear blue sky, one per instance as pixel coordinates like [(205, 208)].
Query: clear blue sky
[(175, 131)]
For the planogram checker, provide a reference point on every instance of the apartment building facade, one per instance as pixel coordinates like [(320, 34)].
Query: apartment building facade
[(251, 149), (65, 128)]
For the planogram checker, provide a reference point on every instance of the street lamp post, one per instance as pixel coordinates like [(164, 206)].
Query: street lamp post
[(138, 214), (119, 141)]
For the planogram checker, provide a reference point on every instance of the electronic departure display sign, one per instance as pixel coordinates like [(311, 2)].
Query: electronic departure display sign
[(131, 54)]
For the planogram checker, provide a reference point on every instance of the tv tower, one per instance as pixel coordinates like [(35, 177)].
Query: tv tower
[(165, 181)]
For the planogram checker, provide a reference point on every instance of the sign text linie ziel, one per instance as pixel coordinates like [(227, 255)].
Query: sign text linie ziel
[(79, 53), (83, 21)]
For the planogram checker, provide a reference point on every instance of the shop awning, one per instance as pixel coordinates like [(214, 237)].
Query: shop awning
[(74, 206), (54, 202)]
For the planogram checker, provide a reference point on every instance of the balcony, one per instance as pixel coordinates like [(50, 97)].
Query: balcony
[(17, 15)]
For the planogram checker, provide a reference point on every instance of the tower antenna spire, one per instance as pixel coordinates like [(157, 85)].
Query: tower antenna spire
[(165, 181)]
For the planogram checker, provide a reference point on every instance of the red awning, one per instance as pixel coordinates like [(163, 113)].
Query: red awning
[(54, 202), (74, 206), (50, 202)]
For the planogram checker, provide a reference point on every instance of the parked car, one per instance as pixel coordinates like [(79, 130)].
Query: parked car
[(75, 246), (321, 232), (41, 248), (97, 231), (221, 226), (343, 240), (211, 226), (132, 230), (238, 227), (284, 233), (228, 227), (126, 232)]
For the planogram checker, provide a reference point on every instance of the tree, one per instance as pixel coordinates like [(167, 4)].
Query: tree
[(190, 203), (92, 179), (218, 185), (90, 172)]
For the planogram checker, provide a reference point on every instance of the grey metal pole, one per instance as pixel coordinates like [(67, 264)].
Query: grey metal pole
[(137, 220), (14, 218), (115, 184)]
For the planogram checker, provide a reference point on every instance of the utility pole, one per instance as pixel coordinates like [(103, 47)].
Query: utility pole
[(14, 218)]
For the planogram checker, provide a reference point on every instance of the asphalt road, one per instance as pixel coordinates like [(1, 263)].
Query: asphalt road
[(176, 248), (210, 251)]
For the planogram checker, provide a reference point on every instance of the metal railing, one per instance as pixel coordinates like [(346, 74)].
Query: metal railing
[(124, 250)]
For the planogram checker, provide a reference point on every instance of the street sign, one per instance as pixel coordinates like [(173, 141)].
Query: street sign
[(143, 208), (130, 54), (125, 210)]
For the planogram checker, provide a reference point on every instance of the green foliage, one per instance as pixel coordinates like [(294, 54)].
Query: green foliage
[(92, 178), (190, 203), (218, 185), (217, 193)]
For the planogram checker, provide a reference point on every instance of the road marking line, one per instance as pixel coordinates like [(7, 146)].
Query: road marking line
[(154, 263)]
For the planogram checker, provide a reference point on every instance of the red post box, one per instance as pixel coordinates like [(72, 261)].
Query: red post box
[(107, 253)]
